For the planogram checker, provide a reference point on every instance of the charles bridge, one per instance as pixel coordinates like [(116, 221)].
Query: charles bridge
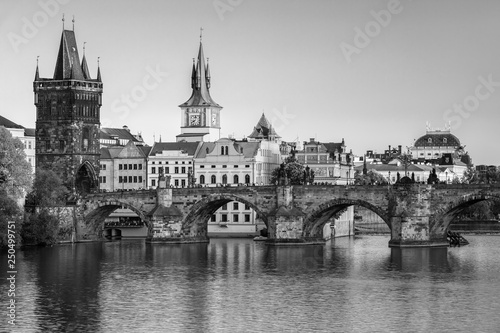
[(417, 214)]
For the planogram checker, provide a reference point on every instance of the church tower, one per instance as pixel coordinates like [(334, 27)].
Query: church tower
[(67, 119), (200, 115)]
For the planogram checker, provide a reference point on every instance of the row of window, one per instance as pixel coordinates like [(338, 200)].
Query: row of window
[(130, 179), (224, 166), (167, 170), (224, 218), (213, 179), (235, 206), (129, 166), (176, 183), (176, 162)]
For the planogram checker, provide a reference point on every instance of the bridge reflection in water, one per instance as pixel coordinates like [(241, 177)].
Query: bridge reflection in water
[(349, 285)]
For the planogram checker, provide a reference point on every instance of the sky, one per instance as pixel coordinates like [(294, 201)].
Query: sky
[(373, 73)]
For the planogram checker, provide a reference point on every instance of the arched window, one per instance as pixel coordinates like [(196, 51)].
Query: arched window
[(222, 150), (227, 150), (202, 179), (236, 179), (224, 179), (85, 139), (247, 179), (212, 179)]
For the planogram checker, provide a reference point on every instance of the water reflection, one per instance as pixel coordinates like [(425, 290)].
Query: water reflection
[(233, 285)]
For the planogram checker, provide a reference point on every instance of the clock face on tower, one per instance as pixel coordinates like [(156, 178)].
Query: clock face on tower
[(194, 120), (214, 119)]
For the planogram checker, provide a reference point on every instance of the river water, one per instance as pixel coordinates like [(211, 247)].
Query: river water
[(238, 285)]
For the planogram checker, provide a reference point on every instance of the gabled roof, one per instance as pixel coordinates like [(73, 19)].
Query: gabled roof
[(200, 83), (188, 147), (8, 124)]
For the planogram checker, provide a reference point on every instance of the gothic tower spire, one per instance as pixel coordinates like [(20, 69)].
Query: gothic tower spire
[(200, 113)]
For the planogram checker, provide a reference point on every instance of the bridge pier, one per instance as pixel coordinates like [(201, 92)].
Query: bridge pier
[(410, 208), (286, 223)]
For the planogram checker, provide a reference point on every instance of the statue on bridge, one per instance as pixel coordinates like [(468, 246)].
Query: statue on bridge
[(282, 176)]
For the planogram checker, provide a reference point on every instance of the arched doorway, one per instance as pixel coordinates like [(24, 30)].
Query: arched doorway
[(86, 179)]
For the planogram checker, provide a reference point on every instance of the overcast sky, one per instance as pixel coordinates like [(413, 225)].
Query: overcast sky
[(371, 72)]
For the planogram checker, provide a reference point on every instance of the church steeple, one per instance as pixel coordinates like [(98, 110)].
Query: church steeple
[(200, 119), (200, 83)]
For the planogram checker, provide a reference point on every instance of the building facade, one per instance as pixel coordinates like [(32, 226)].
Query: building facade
[(330, 161), (173, 160)]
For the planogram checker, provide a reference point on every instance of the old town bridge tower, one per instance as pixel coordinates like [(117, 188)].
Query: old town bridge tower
[(67, 119)]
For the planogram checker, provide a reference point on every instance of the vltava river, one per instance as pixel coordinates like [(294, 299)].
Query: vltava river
[(237, 285)]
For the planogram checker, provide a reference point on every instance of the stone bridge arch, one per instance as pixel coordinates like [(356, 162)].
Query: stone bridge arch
[(97, 211), (315, 221), (445, 214), (195, 222)]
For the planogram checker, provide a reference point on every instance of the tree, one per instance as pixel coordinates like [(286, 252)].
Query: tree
[(48, 190), (15, 171), (293, 169), (9, 211), (371, 177), (41, 226), (15, 182)]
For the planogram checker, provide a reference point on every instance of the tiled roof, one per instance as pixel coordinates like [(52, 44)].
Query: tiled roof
[(249, 148), (105, 153), (188, 147), (29, 132), (121, 133), (8, 124), (445, 139)]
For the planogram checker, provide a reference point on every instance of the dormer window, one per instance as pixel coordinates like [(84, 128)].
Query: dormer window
[(429, 140), (445, 140)]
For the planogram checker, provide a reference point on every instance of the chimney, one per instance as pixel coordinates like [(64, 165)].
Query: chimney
[(125, 127)]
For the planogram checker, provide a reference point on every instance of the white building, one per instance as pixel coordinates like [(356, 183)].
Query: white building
[(173, 159)]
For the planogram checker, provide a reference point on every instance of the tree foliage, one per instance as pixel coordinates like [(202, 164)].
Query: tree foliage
[(15, 171), (40, 228), (372, 177), (41, 225), (294, 172), (9, 211), (48, 190)]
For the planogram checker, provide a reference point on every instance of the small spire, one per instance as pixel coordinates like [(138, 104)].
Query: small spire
[(83, 47), (63, 21), (193, 76), (36, 73), (73, 22), (98, 71), (207, 75), (201, 34)]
